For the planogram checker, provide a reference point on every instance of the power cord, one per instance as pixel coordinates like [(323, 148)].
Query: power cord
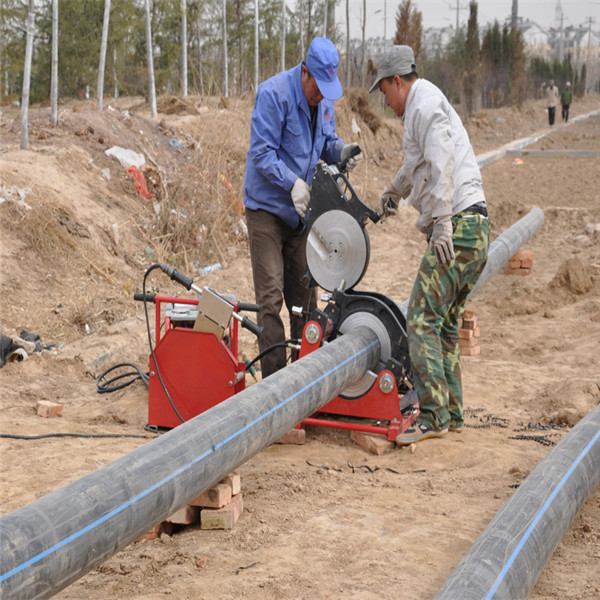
[(105, 387)]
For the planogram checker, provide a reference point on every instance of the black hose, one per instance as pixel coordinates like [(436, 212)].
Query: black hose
[(270, 349), (42, 436), (105, 387), (162, 383)]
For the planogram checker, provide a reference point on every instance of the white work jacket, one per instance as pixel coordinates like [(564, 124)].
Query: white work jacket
[(440, 175)]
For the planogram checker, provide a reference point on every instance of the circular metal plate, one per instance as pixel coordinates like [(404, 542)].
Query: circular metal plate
[(365, 319), (337, 249)]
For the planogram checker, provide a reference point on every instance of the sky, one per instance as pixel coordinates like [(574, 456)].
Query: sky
[(441, 13)]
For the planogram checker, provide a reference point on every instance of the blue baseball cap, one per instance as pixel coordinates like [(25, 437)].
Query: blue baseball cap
[(322, 63)]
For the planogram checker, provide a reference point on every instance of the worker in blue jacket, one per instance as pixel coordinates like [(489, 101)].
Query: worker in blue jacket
[(292, 128)]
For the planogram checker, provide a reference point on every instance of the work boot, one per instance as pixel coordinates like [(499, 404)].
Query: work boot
[(456, 427), (417, 433)]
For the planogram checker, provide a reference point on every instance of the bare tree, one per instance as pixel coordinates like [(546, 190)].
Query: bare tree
[(362, 57), (283, 35), (184, 63), (116, 81), (100, 90), (54, 69), (27, 79), (225, 59), (301, 26), (150, 57), (255, 45), (347, 43)]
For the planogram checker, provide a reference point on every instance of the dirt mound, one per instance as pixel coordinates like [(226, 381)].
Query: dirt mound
[(573, 276), (358, 99), (173, 105)]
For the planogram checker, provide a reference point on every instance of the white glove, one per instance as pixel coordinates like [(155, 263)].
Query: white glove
[(441, 239), (388, 203), (353, 162), (301, 196)]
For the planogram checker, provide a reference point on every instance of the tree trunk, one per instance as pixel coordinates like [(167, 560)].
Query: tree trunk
[(184, 64), (199, 42), (283, 35), (100, 90), (225, 59), (362, 57), (255, 45), (115, 80), (54, 70), (149, 48), (27, 80), (347, 44), (301, 27)]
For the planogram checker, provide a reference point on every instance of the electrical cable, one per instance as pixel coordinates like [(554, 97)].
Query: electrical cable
[(162, 383), (84, 435), (105, 387), (268, 349)]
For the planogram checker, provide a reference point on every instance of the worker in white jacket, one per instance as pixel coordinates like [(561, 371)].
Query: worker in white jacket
[(441, 179)]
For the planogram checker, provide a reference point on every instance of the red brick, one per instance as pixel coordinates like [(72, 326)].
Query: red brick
[(522, 272), (293, 436), (466, 334), (215, 497), (476, 332), (156, 531), (464, 343), (48, 409), (184, 516), (469, 323), (523, 255), (234, 481), (473, 351), (513, 263), (372, 442), (224, 517), (468, 313)]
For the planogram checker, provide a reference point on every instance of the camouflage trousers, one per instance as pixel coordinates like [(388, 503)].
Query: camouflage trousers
[(436, 304)]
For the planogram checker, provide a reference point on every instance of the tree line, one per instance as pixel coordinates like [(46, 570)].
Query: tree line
[(232, 44)]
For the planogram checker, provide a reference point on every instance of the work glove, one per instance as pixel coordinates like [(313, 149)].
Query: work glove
[(388, 203), (441, 239), (353, 162), (301, 196)]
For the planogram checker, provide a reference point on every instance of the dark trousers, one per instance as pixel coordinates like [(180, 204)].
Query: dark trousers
[(565, 112), (551, 114), (278, 256)]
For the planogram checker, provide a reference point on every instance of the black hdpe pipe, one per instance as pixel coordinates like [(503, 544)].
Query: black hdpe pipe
[(506, 560), (51, 542)]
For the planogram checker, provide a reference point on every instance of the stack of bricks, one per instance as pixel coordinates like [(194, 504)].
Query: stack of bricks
[(520, 263), (219, 507), (468, 334)]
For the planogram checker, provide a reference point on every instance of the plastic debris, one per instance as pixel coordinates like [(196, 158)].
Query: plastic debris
[(140, 182), (127, 158), (210, 268)]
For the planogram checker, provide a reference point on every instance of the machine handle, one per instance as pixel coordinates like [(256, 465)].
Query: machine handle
[(248, 307), (255, 328), (141, 297), (342, 165)]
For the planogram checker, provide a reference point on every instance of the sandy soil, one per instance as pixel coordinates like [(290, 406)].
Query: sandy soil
[(71, 264)]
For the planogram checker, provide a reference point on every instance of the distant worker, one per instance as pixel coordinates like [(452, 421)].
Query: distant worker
[(292, 127), (441, 179), (566, 97), (552, 98)]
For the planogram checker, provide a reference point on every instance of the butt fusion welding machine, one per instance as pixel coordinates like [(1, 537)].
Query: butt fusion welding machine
[(199, 364)]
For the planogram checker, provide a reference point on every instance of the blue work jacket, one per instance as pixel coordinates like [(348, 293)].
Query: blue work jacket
[(282, 147)]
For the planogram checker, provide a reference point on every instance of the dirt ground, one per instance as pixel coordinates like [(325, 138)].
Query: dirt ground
[(73, 257)]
